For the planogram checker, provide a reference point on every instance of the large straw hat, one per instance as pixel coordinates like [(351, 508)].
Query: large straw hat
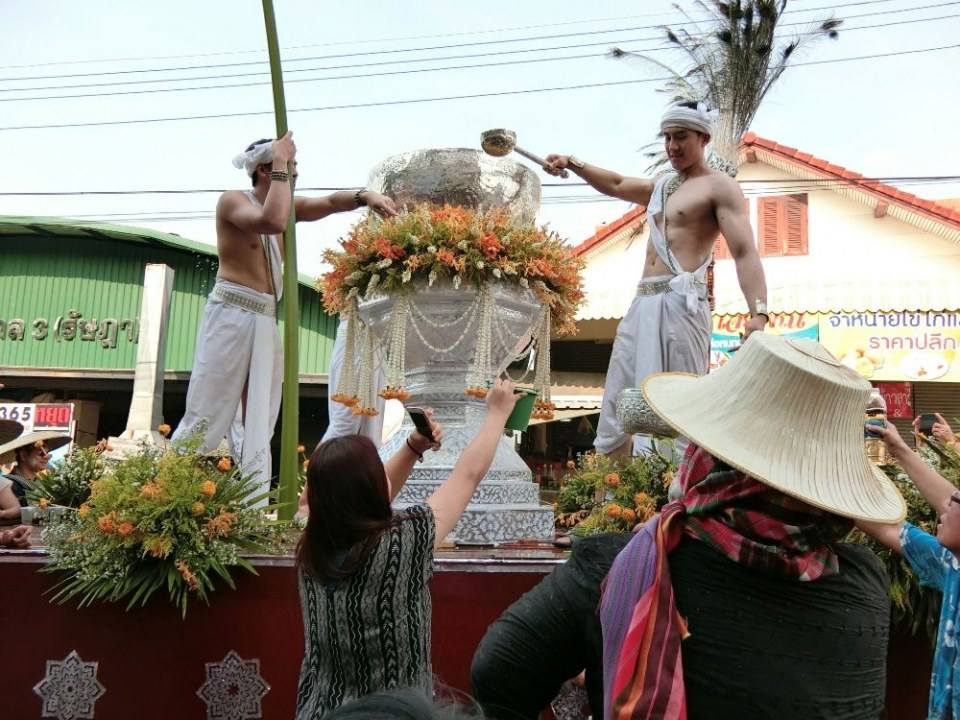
[(787, 413), (9, 429), (51, 440)]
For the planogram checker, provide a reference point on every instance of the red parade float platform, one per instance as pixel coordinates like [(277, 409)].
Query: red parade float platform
[(152, 663)]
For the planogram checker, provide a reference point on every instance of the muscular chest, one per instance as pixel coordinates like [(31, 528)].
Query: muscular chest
[(690, 206)]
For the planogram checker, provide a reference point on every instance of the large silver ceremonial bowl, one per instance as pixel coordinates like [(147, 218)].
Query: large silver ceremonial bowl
[(459, 176), (441, 339)]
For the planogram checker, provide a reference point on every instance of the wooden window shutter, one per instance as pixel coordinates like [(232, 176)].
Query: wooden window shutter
[(720, 249), (795, 224), (768, 230)]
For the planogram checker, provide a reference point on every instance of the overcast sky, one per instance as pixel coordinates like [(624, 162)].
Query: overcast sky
[(888, 116)]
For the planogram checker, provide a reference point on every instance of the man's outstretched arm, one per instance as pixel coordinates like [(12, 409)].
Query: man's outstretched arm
[(631, 189), (309, 209)]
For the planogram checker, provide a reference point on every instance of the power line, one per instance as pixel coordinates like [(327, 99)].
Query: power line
[(405, 37), (770, 182), (581, 56), (413, 101), (436, 47)]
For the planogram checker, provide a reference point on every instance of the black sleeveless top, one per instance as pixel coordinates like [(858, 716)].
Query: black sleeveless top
[(764, 647)]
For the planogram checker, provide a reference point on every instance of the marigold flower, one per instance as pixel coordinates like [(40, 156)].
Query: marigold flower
[(84, 510), (106, 524), (208, 487), (221, 525), (164, 429), (199, 508), (446, 257), (44, 503), (614, 510), (150, 491), (641, 498), (125, 529), (158, 547), (668, 478), (187, 575), (612, 479), (224, 464), (628, 516)]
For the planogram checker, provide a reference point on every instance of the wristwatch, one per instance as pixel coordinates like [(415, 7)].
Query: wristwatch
[(575, 161), (760, 308)]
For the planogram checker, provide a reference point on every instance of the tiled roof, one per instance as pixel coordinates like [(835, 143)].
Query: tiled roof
[(633, 216), (886, 192)]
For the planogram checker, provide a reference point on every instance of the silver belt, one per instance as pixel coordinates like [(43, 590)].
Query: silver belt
[(244, 302), (658, 287), (655, 287)]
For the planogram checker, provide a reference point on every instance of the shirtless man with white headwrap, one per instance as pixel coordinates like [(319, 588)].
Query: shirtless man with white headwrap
[(238, 365), (668, 325)]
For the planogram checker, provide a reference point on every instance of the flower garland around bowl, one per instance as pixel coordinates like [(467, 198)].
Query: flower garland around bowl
[(427, 244)]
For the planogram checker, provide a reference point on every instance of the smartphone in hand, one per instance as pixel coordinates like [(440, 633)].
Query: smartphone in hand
[(421, 422), (925, 426)]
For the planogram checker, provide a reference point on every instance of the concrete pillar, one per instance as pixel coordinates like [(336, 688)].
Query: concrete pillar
[(146, 407)]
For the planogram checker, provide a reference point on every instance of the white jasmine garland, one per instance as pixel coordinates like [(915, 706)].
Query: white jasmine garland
[(480, 265)]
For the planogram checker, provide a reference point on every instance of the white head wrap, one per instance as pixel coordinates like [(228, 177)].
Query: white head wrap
[(699, 119), (259, 154)]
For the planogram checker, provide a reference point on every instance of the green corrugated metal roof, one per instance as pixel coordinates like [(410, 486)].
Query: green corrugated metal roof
[(97, 270), (65, 227)]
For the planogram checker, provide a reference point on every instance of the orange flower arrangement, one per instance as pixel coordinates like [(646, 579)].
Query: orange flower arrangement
[(208, 488), (614, 510), (224, 464), (428, 243)]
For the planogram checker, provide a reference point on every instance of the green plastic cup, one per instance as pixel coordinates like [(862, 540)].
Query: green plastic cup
[(520, 417)]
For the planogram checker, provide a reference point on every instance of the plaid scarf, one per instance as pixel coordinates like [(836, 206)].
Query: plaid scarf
[(750, 523)]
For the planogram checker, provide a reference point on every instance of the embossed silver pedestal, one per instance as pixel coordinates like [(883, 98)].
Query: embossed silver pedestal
[(506, 506)]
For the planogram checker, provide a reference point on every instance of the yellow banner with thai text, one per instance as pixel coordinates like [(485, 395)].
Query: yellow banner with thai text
[(919, 346)]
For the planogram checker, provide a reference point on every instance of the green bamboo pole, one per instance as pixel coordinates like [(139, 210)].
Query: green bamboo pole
[(290, 420)]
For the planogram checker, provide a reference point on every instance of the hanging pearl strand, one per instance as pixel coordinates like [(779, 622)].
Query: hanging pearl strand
[(366, 406), (543, 408), (414, 323), (346, 389), (396, 353), (467, 314), (479, 377)]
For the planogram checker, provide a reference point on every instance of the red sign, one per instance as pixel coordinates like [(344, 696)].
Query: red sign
[(899, 399)]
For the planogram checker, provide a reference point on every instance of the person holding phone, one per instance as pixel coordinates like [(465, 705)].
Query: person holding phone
[(935, 559), (364, 568), (933, 425)]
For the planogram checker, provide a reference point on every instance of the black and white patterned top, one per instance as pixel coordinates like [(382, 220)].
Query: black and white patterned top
[(371, 631)]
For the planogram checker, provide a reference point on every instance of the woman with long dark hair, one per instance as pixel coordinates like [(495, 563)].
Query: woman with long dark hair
[(364, 568)]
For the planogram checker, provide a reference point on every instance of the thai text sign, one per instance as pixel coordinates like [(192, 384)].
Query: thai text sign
[(105, 332), (899, 399), (918, 346), (727, 329)]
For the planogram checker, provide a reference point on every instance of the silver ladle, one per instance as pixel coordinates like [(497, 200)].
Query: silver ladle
[(500, 142)]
